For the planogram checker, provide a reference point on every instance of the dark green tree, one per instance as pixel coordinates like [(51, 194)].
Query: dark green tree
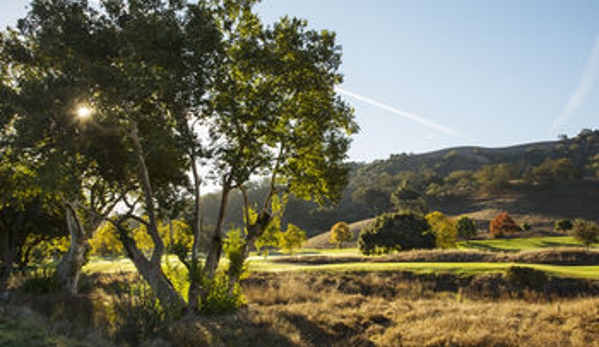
[(467, 228), (394, 232), (408, 200), (586, 232), (563, 225)]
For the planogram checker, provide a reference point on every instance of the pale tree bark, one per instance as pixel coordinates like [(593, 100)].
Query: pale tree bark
[(70, 265), (193, 267), (154, 276), (150, 270), (216, 246)]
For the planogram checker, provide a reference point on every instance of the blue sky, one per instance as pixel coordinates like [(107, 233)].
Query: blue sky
[(429, 74)]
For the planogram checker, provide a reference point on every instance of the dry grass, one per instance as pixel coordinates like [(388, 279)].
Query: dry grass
[(372, 309), (303, 310)]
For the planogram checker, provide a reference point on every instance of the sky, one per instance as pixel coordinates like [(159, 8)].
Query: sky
[(430, 74)]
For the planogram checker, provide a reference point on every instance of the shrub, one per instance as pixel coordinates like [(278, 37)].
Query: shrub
[(526, 227), (340, 233), (138, 315), (40, 280), (392, 231), (502, 225), (585, 232), (563, 225), (466, 228), (222, 296), (444, 229), (526, 277)]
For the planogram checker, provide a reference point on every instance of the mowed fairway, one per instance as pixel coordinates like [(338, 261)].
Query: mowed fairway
[(260, 264), (521, 244)]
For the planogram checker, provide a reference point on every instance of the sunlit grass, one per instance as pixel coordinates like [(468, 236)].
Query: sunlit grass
[(520, 244), (422, 268)]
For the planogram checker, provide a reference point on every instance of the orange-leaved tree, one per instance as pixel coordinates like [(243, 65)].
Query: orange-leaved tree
[(503, 224)]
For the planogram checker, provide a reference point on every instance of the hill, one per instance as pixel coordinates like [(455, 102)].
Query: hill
[(536, 182), (538, 208)]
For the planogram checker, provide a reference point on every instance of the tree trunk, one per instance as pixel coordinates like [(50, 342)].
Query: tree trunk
[(216, 247), (151, 272), (193, 293), (8, 254), (69, 267)]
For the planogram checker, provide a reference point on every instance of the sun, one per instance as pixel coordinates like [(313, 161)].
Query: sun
[(84, 112)]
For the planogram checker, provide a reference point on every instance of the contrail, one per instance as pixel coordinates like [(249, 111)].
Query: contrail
[(407, 115), (585, 86)]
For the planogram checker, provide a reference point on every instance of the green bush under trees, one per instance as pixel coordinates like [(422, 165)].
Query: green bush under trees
[(394, 232)]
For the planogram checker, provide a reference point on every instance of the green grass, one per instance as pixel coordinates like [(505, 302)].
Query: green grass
[(521, 244), (456, 268), (258, 265), (21, 333)]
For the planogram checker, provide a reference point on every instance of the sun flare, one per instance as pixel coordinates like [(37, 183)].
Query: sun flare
[(84, 112)]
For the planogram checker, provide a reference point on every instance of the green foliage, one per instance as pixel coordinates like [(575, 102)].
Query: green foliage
[(493, 178), (105, 241), (291, 239), (222, 297), (394, 232), (444, 229), (234, 248), (467, 228), (408, 200), (340, 233), (175, 233), (555, 170), (270, 237), (138, 314), (563, 225), (585, 232)]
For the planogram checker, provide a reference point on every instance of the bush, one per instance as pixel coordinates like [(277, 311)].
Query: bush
[(526, 227), (526, 277), (444, 229), (585, 232), (40, 280), (563, 225), (502, 225), (222, 296), (138, 315), (466, 228), (392, 231), (340, 233)]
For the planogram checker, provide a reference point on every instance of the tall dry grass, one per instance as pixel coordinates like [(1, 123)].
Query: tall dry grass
[(365, 310)]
